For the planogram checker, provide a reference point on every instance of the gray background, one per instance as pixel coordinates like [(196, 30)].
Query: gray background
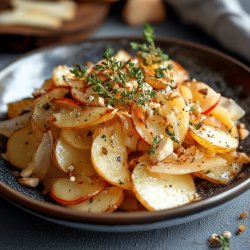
[(19, 230)]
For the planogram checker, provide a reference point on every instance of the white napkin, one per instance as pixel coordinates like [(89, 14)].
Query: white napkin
[(223, 19)]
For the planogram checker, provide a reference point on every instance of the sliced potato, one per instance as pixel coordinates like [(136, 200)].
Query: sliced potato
[(161, 192), (21, 147), (86, 98), (20, 107), (90, 116), (69, 159), (187, 167), (8, 127), (106, 201), (109, 155), (67, 192), (80, 139), (214, 139)]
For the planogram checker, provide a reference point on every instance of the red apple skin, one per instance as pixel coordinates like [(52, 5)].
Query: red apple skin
[(209, 110), (66, 103)]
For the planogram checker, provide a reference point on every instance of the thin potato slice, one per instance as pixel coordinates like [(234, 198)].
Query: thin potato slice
[(109, 156), (8, 127), (69, 159), (214, 139), (21, 147), (20, 107), (83, 119), (67, 192), (80, 139), (106, 201), (161, 192), (187, 167)]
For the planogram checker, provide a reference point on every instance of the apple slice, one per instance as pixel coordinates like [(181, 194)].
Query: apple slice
[(224, 174), (235, 111), (222, 115), (79, 139), (67, 192), (41, 159), (65, 156), (88, 117), (106, 201), (65, 103), (139, 119), (20, 107), (8, 127), (187, 167), (21, 147), (205, 95), (214, 139), (43, 108), (131, 136), (85, 98), (109, 155), (161, 192)]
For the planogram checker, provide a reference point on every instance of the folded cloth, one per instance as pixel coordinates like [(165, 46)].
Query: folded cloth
[(223, 19)]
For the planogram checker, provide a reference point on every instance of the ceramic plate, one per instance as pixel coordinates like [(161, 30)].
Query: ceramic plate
[(225, 74)]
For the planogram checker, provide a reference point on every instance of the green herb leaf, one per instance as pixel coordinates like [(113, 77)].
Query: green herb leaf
[(172, 136)]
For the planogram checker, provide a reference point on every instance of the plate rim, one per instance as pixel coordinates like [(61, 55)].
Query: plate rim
[(132, 217)]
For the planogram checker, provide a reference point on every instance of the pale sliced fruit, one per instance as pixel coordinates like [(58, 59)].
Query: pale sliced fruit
[(161, 192), (7, 127), (86, 98), (225, 174), (21, 146), (214, 139), (130, 134), (90, 116), (43, 111), (222, 115), (65, 156), (20, 107), (109, 155), (235, 111), (205, 95), (187, 167), (138, 118), (106, 201), (80, 139), (67, 192), (156, 124), (41, 159)]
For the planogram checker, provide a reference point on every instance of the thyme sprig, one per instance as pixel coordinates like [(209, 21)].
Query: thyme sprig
[(172, 136), (156, 142), (149, 52), (78, 71)]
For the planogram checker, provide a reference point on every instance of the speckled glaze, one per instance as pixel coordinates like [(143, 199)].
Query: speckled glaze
[(222, 72)]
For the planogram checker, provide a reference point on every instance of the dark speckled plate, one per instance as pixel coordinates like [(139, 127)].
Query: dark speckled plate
[(224, 73)]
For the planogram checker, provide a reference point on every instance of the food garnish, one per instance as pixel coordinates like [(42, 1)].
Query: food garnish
[(128, 132)]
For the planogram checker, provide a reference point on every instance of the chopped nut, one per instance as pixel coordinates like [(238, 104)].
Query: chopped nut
[(71, 168), (29, 182), (243, 133), (243, 159), (214, 240), (241, 229), (243, 215), (72, 178), (101, 101), (241, 125)]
